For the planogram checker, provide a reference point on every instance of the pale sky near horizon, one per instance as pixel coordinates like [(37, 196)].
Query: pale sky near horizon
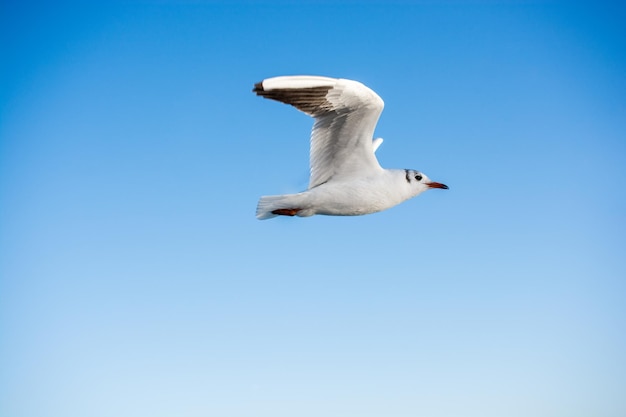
[(136, 281)]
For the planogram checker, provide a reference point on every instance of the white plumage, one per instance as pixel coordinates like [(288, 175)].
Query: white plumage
[(346, 178)]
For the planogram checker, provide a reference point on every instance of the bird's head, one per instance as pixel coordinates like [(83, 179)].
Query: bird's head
[(420, 182)]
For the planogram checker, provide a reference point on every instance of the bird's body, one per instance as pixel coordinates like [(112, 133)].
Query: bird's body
[(363, 195), (346, 179)]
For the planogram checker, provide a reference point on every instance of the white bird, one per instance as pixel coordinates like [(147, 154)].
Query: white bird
[(346, 178)]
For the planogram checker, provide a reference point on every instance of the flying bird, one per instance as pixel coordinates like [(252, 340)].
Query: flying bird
[(346, 178)]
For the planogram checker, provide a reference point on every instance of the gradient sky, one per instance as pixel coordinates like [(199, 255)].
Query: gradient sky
[(136, 281)]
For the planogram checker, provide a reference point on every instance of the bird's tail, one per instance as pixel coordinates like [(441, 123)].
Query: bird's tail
[(277, 205)]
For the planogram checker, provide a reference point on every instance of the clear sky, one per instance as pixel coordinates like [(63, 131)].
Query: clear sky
[(135, 280)]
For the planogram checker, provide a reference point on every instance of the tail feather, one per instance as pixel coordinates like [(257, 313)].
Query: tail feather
[(270, 206)]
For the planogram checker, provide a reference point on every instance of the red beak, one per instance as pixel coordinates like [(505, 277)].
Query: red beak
[(437, 185)]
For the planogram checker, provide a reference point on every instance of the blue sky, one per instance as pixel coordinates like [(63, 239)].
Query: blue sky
[(136, 281)]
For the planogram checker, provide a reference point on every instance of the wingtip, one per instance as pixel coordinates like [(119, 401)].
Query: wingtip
[(258, 87)]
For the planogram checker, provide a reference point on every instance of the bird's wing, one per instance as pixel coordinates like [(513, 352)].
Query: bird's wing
[(376, 143), (345, 112)]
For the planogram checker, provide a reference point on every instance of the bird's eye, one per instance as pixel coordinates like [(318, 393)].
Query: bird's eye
[(418, 177)]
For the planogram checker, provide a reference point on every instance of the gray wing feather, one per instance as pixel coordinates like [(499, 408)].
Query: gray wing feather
[(345, 112)]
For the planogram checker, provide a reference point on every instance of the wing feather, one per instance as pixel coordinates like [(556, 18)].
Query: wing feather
[(345, 112)]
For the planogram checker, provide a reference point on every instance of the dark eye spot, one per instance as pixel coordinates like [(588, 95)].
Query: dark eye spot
[(418, 177)]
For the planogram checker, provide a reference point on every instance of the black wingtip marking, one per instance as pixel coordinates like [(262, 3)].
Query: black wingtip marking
[(258, 87), (310, 100)]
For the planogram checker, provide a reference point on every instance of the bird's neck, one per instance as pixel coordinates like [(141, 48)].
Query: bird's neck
[(402, 184)]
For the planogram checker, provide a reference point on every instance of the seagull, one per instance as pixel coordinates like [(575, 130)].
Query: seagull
[(346, 178)]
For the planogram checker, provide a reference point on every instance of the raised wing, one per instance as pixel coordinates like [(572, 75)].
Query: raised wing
[(345, 112)]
